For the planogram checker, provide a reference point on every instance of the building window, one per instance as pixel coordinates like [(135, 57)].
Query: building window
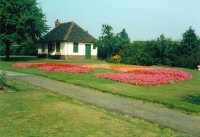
[(57, 47), (75, 47), (94, 46), (43, 47)]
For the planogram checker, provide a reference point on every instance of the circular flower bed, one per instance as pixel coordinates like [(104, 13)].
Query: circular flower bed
[(151, 76), (56, 67)]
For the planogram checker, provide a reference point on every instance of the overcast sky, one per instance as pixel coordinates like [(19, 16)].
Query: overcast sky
[(142, 19)]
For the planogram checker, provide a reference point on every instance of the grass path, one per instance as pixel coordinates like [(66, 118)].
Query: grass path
[(176, 120), (29, 111)]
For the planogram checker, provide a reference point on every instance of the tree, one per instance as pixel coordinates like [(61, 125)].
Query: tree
[(189, 43), (107, 42), (162, 46), (123, 37), (189, 50), (111, 44), (20, 20)]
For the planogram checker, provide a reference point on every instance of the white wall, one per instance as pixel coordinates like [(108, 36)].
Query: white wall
[(40, 49), (81, 49), (66, 48), (93, 51), (63, 49)]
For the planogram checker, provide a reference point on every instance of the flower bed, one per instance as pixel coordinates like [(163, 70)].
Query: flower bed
[(102, 66), (119, 67), (150, 76), (56, 67), (125, 68), (26, 65)]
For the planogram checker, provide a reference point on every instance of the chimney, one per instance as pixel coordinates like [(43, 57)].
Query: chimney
[(57, 23)]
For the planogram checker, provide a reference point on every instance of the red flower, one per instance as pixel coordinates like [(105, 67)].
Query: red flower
[(151, 76), (56, 67)]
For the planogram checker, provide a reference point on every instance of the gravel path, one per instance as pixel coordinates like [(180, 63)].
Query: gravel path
[(181, 122)]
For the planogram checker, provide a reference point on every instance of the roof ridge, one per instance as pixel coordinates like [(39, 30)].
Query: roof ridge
[(69, 30), (84, 30)]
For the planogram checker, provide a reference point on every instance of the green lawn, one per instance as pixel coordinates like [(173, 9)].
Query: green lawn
[(29, 111), (183, 96)]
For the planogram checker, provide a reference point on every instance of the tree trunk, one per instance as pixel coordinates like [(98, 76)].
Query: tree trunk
[(7, 51), (108, 53)]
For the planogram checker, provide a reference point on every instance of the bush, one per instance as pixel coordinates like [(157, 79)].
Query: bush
[(2, 80), (2, 50), (128, 60), (144, 59), (116, 59)]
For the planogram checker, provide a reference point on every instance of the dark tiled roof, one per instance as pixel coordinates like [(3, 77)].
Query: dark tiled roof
[(69, 32)]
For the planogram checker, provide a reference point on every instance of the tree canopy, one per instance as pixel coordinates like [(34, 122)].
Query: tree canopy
[(20, 20), (161, 51), (106, 42), (189, 43), (109, 43)]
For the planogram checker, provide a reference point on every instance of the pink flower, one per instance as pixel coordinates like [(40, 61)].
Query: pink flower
[(56, 67), (151, 76)]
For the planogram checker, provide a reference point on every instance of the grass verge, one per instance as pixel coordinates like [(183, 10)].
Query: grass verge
[(26, 110)]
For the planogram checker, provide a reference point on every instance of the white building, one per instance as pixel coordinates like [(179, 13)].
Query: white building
[(67, 41)]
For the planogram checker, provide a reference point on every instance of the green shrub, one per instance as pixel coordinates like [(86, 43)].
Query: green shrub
[(116, 59), (2, 80), (144, 59), (2, 50), (128, 60)]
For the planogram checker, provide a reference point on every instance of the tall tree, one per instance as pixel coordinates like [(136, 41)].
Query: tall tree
[(124, 39), (189, 50), (20, 20), (162, 45), (189, 43), (107, 42)]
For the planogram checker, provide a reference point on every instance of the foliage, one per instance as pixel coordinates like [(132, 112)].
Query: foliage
[(116, 59), (2, 49), (26, 48), (106, 42), (2, 80), (110, 44), (189, 50), (122, 39), (161, 51), (123, 35), (20, 20), (189, 42)]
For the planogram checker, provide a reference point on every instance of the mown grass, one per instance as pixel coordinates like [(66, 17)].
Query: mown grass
[(29, 111), (173, 96)]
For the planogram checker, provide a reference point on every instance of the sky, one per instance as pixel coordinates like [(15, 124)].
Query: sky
[(142, 19)]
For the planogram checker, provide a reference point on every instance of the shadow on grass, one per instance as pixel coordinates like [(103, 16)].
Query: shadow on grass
[(193, 99), (36, 58), (20, 58)]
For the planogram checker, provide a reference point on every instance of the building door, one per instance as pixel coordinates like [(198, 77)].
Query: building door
[(51, 47), (88, 51)]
